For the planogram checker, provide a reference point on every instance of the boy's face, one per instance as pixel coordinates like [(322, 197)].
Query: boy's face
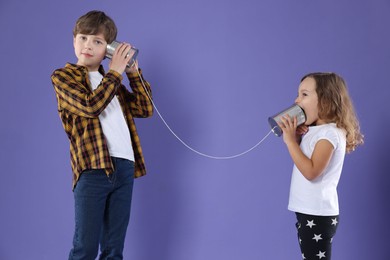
[(90, 50)]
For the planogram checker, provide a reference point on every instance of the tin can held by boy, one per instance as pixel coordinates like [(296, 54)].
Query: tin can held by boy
[(133, 52)]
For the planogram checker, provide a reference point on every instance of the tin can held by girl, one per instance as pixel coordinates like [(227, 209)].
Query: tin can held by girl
[(292, 111)]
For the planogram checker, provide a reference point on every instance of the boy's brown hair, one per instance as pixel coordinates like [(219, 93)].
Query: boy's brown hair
[(95, 22)]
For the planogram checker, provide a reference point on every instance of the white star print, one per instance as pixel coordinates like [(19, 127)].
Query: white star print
[(300, 241), (317, 237), (310, 223), (331, 240), (321, 254), (303, 256), (334, 221)]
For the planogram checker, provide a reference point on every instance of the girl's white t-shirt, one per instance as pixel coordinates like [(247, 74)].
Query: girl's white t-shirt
[(114, 125), (319, 196)]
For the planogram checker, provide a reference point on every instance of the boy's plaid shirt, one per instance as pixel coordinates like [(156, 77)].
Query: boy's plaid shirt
[(79, 108)]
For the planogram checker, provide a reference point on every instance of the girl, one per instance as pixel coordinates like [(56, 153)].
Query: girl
[(318, 148)]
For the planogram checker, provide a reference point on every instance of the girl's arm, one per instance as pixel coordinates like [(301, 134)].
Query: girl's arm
[(312, 167)]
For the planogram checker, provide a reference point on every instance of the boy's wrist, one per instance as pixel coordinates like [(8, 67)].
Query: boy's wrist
[(115, 73), (133, 73)]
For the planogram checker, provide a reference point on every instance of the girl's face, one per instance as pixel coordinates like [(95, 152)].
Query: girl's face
[(90, 50), (308, 100)]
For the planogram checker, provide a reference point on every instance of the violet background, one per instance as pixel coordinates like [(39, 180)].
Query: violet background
[(218, 69)]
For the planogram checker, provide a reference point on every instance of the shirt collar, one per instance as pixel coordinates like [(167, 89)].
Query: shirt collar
[(83, 68)]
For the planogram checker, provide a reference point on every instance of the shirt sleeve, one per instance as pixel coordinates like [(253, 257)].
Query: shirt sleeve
[(140, 99), (330, 135), (79, 99)]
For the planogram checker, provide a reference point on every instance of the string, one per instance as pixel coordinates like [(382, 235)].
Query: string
[(183, 142)]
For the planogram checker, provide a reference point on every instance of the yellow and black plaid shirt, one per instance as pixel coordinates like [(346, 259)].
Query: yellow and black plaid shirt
[(79, 108)]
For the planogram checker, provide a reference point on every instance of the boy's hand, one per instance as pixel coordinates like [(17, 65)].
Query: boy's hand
[(133, 67), (120, 58)]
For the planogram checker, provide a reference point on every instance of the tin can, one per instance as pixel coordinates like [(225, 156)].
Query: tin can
[(133, 52), (292, 111)]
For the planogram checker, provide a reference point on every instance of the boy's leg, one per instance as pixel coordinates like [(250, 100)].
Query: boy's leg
[(117, 215), (315, 235), (90, 196)]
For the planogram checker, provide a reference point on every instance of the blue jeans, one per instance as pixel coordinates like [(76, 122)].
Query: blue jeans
[(102, 212)]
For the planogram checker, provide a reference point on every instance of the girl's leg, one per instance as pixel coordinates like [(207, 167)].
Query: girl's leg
[(315, 235)]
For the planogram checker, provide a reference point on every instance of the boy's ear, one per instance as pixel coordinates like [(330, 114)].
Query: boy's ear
[(74, 41)]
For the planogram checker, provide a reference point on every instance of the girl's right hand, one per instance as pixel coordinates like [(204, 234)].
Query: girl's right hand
[(301, 130)]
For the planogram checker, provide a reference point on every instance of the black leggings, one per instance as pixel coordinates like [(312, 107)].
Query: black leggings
[(315, 235)]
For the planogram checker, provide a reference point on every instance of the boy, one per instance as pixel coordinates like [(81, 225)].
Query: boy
[(97, 114)]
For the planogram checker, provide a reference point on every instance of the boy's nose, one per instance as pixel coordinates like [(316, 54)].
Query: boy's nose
[(88, 45)]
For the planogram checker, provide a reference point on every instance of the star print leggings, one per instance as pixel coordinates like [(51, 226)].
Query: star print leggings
[(315, 235)]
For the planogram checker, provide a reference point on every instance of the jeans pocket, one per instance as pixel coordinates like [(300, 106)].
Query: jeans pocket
[(92, 175)]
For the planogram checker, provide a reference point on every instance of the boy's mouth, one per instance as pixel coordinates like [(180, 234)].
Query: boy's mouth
[(87, 55)]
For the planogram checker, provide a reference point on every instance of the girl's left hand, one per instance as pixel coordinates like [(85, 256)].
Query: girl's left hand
[(289, 128)]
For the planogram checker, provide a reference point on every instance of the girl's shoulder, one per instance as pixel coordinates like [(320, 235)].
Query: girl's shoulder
[(328, 132), (324, 128)]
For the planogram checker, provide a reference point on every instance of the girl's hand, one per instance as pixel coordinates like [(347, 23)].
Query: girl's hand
[(301, 130), (289, 129), (120, 58)]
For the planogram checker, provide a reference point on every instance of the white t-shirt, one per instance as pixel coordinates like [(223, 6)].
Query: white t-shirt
[(319, 196), (114, 125)]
